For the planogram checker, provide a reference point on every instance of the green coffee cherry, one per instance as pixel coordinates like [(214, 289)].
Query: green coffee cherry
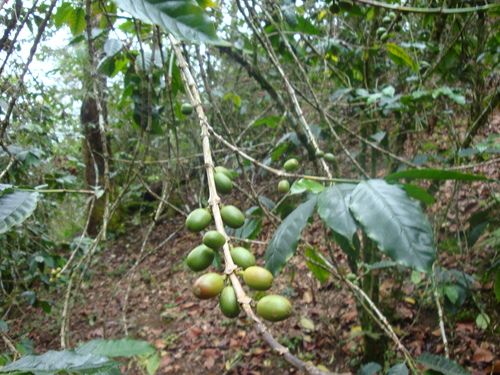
[(228, 302), (223, 183), (319, 154), (186, 109), (200, 258), (283, 186), (274, 308), (258, 278), (380, 31), (242, 257), (329, 157), (220, 169), (291, 165), (208, 286), (214, 239), (198, 220), (232, 216)]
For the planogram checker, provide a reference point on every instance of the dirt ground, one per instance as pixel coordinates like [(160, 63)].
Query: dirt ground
[(193, 336)]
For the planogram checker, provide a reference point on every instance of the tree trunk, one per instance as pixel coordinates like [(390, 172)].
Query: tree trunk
[(93, 157)]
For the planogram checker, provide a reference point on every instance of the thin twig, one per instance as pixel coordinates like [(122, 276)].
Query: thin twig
[(289, 88), (441, 10), (440, 314), (275, 171)]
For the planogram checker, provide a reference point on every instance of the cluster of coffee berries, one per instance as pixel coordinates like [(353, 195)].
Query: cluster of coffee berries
[(271, 307), (292, 165), (55, 274)]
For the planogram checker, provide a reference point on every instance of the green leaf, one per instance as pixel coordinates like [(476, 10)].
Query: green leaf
[(233, 97), (419, 193), (371, 368), (76, 21), (269, 121), (302, 185), (284, 242), (399, 369), (483, 321), (184, 19), (446, 91), (441, 364), (63, 14), (434, 174), (334, 211), (313, 258), (15, 207), (112, 47), (250, 229), (52, 362), (452, 292), (396, 223), (153, 363), (116, 348), (400, 57)]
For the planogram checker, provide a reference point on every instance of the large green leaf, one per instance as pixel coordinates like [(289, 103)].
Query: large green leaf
[(15, 207), (434, 174), (284, 242), (184, 19), (441, 364), (400, 57), (334, 211), (53, 362), (395, 222), (117, 348)]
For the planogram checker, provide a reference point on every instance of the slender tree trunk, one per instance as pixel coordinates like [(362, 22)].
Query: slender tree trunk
[(95, 144), (93, 157)]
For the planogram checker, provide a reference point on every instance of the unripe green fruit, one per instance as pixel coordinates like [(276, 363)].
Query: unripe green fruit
[(319, 154), (291, 165), (229, 303), (198, 220), (258, 278), (283, 186), (242, 257), (214, 239), (208, 286), (274, 308), (223, 183), (380, 31), (384, 37), (232, 216), (200, 258), (386, 19), (329, 157), (392, 16), (186, 109), (227, 172)]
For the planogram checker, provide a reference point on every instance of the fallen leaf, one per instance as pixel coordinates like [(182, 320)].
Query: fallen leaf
[(307, 324), (483, 355)]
